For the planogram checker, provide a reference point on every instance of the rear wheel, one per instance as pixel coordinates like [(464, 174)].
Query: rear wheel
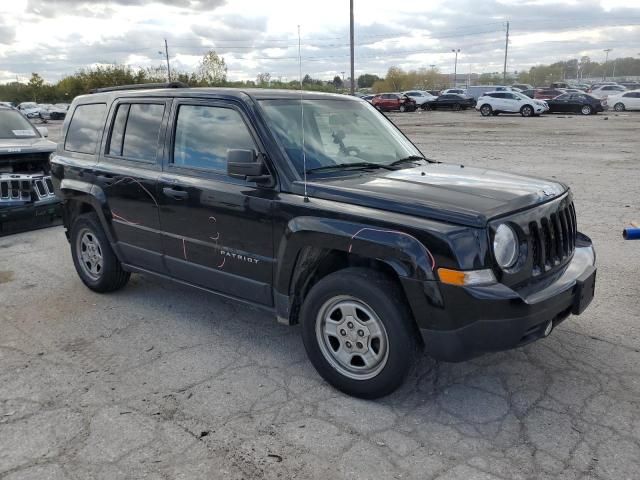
[(619, 107), (96, 263), (486, 110), (357, 334), (526, 111), (586, 110)]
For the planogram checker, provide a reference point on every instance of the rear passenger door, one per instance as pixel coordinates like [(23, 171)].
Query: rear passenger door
[(128, 172), (217, 230)]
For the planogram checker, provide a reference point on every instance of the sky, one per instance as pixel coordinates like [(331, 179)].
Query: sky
[(55, 38)]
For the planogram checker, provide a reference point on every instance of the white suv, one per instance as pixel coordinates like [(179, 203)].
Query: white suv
[(420, 96), (494, 103), (604, 91)]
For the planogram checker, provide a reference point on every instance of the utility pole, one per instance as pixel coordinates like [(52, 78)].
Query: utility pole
[(353, 86), (166, 52), (606, 59), (506, 51), (455, 66)]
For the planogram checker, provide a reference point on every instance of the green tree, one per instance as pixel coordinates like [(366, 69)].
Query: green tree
[(337, 82), (366, 80), (263, 78), (212, 69), (35, 85)]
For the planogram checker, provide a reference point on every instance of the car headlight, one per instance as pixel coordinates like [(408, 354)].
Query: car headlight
[(505, 246)]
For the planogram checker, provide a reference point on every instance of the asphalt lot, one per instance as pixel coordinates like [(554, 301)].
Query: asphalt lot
[(158, 381)]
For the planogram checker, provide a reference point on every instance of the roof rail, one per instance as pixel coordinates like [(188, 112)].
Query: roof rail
[(140, 86)]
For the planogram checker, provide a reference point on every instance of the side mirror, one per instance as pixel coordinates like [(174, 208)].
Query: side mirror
[(44, 131), (246, 165)]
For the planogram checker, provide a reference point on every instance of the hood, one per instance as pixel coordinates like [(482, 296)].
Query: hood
[(452, 193), (12, 146)]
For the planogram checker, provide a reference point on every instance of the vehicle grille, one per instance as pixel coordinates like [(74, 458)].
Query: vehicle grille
[(553, 239), (25, 188)]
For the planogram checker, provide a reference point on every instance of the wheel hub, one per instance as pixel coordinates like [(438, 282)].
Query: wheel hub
[(354, 335)]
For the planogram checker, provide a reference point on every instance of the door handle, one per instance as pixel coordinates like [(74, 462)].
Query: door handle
[(175, 194)]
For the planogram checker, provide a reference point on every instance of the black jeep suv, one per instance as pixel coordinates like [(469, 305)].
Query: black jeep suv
[(319, 210)]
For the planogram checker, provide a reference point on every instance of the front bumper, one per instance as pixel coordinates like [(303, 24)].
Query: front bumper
[(30, 216), (477, 320)]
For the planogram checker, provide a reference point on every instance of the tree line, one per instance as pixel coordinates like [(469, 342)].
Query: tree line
[(212, 71)]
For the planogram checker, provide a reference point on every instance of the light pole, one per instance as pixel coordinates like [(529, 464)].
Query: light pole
[(455, 65), (606, 59)]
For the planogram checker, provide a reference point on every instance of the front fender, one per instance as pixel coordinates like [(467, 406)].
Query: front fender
[(408, 257)]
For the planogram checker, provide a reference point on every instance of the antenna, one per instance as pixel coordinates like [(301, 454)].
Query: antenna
[(304, 155)]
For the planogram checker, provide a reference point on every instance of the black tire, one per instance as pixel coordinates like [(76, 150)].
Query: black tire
[(586, 110), (486, 110), (426, 107), (456, 107), (379, 293), (110, 276), (619, 107), (527, 111)]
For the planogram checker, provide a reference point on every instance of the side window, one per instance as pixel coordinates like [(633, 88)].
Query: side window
[(85, 128), (203, 135), (135, 132)]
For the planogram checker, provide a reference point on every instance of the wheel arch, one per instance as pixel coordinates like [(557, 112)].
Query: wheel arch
[(313, 248)]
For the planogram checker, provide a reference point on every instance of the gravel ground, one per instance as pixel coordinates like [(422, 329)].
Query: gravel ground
[(158, 381)]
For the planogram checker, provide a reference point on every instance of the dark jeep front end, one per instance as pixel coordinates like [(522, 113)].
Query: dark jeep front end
[(27, 198)]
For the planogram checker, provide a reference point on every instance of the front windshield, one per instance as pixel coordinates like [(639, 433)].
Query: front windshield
[(336, 132), (14, 125)]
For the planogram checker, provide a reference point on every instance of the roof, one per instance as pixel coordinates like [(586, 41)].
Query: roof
[(215, 92)]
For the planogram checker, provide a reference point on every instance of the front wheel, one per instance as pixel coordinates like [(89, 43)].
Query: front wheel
[(403, 108), (456, 107), (426, 107), (486, 110), (619, 107), (96, 263), (358, 333), (586, 110), (526, 111)]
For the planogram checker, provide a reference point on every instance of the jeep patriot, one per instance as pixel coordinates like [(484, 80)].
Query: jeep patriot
[(317, 209)]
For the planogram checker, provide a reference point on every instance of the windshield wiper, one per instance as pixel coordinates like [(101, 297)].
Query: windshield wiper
[(410, 158), (343, 166)]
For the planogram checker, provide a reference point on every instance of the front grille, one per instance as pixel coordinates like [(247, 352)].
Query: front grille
[(25, 188), (553, 239)]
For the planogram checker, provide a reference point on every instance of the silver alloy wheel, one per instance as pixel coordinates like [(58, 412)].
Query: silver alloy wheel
[(527, 111), (485, 110), (619, 107), (586, 110), (89, 252), (352, 338)]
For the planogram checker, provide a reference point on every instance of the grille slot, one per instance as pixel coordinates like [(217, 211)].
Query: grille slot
[(553, 239), (24, 188)]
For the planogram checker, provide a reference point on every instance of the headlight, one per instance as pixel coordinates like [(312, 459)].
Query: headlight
[(505, 246)]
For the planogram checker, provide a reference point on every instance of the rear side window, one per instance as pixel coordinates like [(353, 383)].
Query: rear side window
[(85, 128), (204, 134), (135, 132)]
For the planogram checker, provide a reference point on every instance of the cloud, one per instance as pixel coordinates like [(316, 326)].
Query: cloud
[(7, 34), (255, 36)]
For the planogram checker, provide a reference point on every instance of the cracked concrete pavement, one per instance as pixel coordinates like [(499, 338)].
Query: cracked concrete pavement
[(158, 381)]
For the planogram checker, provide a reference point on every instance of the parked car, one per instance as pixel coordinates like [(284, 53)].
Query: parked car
[(476, 91), (368, 98), (603, 91), (583, 103), (452, 101), (547, 93), (27, 197), (53, 112), (529, 93), (522, 86), (631, 85), (29, 109), (386, 102), (562, 85), (625, 101), (419, 96), (458, 91), (8, 104), (495, 103), (378, 253)]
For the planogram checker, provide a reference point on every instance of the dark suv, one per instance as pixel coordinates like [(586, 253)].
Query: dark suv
[(317, 209)]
